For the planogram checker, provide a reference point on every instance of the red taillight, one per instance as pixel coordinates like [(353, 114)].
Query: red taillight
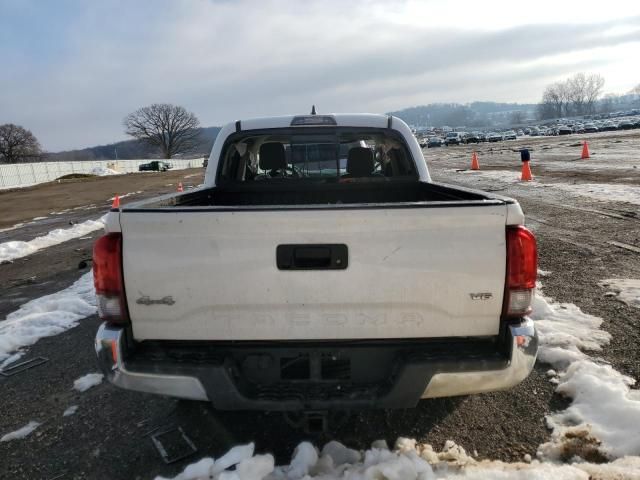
[(108, 280), (522, 271)]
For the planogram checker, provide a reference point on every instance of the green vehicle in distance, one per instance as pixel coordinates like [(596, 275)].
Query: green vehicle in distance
[(155, 166)]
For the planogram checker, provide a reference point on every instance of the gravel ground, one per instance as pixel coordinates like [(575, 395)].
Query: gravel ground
[(109, 435)]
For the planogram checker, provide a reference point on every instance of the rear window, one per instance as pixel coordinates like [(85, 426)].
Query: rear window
[(315, 155)]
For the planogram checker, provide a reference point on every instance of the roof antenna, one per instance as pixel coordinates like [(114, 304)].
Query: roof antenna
[(313, 109)]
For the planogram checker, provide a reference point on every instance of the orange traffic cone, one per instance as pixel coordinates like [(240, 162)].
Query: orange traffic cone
[(526, 172), (474, 162), (585, 150), (180, 189), (116, 202)]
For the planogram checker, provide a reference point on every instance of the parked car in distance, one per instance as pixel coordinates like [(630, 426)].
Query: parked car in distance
[(155, 166), (510, 135), (590, 128), (625, 125), (564, 130), (434, 142), (494, 137), (471, 138), (453, 138)]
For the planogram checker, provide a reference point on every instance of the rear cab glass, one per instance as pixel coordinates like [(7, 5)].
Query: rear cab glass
[(316, 155)]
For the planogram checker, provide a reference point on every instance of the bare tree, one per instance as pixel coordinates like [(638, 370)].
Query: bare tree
[(593, 89), (576, 87), (169, 127), (563, 95), (554, 99), (516, 117), (636, 91), (577, 95), (583, 91), (608, 101), (17, 144), (545, 110)]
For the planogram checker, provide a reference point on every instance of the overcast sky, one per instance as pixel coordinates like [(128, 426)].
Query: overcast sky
[(71, 70)]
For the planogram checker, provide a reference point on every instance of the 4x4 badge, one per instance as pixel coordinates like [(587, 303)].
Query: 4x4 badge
[(146, 300)]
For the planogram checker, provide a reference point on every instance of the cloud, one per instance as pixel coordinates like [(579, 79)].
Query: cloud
[(227, 60)]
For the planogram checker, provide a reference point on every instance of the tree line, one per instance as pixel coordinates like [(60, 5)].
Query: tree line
[(578, 95)]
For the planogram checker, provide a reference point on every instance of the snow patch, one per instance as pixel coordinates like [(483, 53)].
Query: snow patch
[(506, 176), (626, 289), (341, 454), (232, 457), (18, 249), (46, 316), (103, 171), (603, 406), (21, 432), (408, 461), (605, 192), (305, 456), (87, 381), (603, 420), (70, 411), (17, 225), (564, 331), (125, 195)]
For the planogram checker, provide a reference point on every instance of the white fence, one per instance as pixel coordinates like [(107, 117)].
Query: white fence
[(25, 174)]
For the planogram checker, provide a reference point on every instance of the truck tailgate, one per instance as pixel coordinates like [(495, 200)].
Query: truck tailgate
[(412, 272)]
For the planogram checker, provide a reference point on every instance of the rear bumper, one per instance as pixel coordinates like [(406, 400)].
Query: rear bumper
[(524, 350), (420, 374), (110, 348)]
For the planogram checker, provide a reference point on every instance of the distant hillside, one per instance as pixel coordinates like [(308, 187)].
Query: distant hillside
[(131, 149), (476, 114)]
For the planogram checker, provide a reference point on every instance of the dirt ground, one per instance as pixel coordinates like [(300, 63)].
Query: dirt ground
[(109, 436), (23, 204), (614, 158)]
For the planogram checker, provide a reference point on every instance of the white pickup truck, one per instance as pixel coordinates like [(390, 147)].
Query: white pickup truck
[(319, 267)]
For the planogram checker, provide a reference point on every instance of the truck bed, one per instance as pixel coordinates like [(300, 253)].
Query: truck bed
[(300, 195)]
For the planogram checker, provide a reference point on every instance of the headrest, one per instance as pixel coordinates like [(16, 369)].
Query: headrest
[(360, 162), (272, 156)]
